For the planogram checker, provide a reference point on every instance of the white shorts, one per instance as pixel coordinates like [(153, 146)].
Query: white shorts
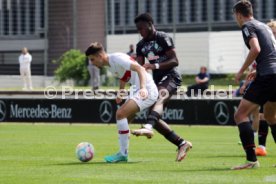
[(148, 102)]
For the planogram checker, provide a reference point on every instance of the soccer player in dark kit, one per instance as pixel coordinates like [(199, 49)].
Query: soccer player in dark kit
[(261, 43), (158, 48), (263, 128)]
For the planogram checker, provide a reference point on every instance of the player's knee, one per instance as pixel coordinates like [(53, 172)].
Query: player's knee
[(270, 118), (120, 114), (238, 117)]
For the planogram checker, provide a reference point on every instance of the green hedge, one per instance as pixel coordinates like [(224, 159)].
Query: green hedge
[(73, 66)]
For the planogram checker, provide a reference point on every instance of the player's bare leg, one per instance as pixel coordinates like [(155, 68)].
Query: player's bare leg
[(262, 136), (127, 110), (256, 120), (154, 115)]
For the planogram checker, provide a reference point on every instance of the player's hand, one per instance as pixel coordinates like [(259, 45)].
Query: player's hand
[(143, 93), (118, 100), (149, 66), (252, 75), (238, 77), (242, 89)]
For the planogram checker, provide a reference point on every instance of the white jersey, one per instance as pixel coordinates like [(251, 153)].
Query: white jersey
[(120, 67), (25, 60)]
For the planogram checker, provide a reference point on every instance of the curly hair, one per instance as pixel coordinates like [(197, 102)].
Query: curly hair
[(145, 17)]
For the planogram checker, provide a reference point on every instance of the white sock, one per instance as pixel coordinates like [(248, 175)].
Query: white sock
[(148, 126), (123, 131), (261, 146)]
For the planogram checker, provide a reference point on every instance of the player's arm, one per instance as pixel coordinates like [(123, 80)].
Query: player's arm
[(122, 85), (254, 51), (171, 62), (121, 92), (139, 55), (245, 84), (252, 75), (140, 60), (142, 77)]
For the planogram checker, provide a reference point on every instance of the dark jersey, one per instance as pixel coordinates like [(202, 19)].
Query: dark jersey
[(202, 76), (266, 60), (154, 50)]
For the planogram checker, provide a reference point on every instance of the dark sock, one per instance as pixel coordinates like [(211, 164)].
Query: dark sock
[(162, 128), (262, 133), (174, 138), (247, 139), (153, 118), (273, 131)]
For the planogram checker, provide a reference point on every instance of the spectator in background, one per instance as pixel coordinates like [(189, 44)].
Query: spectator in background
[(202, 82), (94, 73), (131, 51), (25, 60)]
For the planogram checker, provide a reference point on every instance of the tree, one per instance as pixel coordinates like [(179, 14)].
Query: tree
[(72, 66)]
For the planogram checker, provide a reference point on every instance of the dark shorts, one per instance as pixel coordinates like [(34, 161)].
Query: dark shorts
[(261, 90), (169, 82), (261, 110)]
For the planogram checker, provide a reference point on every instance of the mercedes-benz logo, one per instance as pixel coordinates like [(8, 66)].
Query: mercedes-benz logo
[(221, 113), (3, 110), (106, 111)]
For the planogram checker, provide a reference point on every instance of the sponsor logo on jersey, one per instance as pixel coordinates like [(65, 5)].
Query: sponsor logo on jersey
[(151, 56), (246, 32)]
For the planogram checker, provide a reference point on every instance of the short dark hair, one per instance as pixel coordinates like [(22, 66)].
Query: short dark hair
[(145, 17), (243, 7), (94, 48)]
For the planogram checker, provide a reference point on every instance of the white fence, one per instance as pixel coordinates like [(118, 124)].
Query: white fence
[(222, 52)]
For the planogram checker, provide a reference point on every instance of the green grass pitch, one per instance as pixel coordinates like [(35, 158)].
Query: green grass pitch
[(45, 153)]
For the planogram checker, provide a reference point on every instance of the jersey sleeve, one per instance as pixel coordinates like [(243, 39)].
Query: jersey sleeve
[(166, 41), (248, 32), (124, 61), (139, 49)]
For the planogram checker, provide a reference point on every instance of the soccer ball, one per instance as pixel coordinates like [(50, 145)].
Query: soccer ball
[(85, 151)]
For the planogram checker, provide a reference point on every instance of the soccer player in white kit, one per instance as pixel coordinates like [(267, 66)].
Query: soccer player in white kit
[(25, 60), (143, 91)]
